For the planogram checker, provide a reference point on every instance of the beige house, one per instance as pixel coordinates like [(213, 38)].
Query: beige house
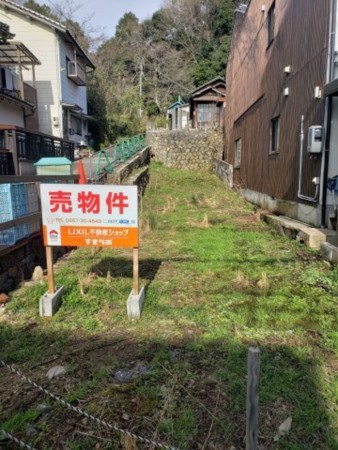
[(60, 80), (17, 98)]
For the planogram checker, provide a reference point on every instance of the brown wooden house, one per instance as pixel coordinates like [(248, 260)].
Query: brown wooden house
[(282, 106), (207, 104)]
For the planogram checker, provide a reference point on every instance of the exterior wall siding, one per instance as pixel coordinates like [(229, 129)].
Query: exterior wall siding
[(11, 114), (42, 42), (70, 92), (255, 93)]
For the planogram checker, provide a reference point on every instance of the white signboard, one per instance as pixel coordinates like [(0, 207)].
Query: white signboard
[(89, 215)]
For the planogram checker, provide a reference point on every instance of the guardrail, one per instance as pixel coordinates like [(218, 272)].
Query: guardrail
[(106, 160)]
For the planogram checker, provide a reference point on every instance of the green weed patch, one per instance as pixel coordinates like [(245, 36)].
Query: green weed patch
[(217, 281)]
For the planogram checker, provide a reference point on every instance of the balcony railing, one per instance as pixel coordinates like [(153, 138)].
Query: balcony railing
[(33, 146), (30, 94)]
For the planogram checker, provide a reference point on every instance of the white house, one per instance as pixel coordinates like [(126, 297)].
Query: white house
[(60, 80), (17, 98)]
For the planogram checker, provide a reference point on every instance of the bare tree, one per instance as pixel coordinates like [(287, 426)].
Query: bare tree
[(190, 23)]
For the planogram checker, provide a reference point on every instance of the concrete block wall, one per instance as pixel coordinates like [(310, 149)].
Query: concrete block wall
[(122, 172), (224, 172), (186, 149)]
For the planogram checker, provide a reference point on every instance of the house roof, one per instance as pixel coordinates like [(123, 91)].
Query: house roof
[(178, 102), (71, 106), (13, 52), (210, 98), (58, 161), (209, 91), (242, 7), (68, 37), (208, 84)]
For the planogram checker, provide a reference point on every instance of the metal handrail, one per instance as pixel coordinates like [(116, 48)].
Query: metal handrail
[(109, 158)]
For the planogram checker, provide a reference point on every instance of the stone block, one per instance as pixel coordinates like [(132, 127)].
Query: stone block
[(329, 252), (4, 299), (312, 237), (135, 304)]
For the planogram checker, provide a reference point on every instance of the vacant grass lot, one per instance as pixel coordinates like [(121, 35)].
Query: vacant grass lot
[(218, 280)]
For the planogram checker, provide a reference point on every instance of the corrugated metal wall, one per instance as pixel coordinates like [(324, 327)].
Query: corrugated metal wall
[(255, 93)]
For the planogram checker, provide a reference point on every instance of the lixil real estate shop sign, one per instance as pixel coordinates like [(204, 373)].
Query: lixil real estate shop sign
[(89, 215)]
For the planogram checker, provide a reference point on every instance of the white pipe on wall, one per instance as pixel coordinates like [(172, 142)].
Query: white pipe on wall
[(300, 172)]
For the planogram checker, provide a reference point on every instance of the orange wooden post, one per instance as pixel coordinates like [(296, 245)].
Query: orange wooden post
[(136, 287), (50, 270)]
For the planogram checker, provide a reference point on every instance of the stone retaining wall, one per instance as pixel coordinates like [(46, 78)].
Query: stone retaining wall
[(186, 149), (17, 263)]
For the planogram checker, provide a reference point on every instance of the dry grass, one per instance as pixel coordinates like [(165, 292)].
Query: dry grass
[(263, 283), (128, 442), (241, 281), (85, 281), (205, 222), (170, 205)]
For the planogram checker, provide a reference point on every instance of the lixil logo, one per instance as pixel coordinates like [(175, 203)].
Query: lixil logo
[(53, 235)]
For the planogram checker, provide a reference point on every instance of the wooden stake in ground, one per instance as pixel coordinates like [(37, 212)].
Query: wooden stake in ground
[(50, 270), (252, 399), (136, 287)]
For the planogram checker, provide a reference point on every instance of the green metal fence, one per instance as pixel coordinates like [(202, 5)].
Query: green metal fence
[(106, 160)]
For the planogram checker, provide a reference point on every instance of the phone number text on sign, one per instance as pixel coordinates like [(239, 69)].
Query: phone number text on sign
[(89, 215)]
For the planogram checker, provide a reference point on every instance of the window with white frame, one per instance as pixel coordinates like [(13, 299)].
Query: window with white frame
[(238, 153)]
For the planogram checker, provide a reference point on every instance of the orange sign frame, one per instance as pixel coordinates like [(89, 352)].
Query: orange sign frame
[(90, 215)]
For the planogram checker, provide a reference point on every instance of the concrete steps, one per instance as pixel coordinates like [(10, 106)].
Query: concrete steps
[(323, 240), (310, 236)]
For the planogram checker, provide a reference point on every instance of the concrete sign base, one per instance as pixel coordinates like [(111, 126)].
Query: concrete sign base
[(50, 303), (135, 304)]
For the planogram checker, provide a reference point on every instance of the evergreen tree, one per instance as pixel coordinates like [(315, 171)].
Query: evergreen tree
[(147, 65)]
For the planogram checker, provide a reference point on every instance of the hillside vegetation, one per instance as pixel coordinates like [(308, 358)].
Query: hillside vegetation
[(147, 65)]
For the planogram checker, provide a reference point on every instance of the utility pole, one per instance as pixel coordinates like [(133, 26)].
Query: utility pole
[(140, 111)]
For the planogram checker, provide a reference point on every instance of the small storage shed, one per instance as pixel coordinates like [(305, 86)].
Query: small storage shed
[(207, 104), (54, 166), (174, 115)]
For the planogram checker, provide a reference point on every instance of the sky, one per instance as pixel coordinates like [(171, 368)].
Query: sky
[(107, 13)]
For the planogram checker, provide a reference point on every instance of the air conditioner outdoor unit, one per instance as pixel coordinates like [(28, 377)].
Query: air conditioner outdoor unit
[(72, 68)]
